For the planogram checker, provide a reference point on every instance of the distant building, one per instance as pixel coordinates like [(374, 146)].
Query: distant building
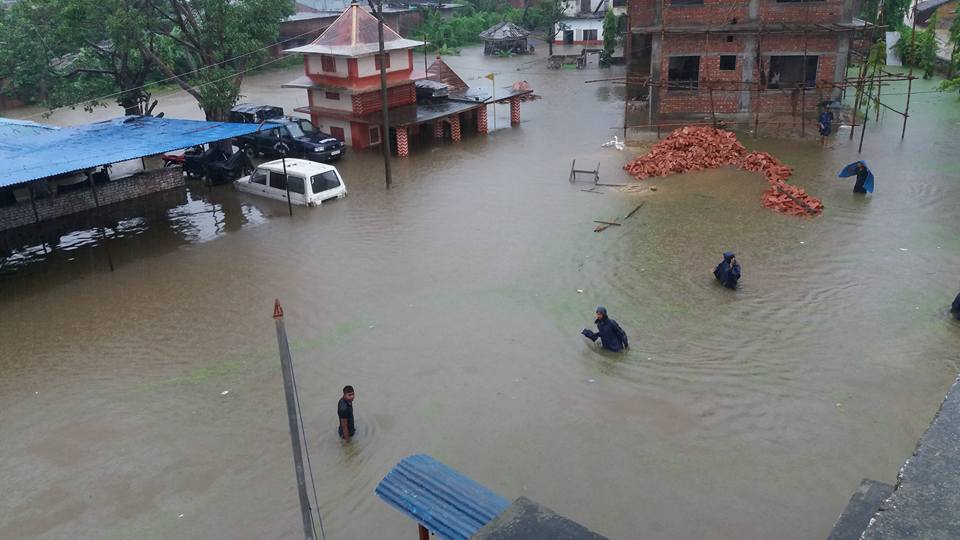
[(505, 37), (583, 24)]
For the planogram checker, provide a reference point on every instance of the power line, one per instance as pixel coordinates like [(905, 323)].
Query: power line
[(161, 81)]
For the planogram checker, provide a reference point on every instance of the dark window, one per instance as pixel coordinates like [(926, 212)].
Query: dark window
[(686, 2), (385, 59), (328, 64), (728, 62), (306, 126), (296, 184), (729, 39), (790, 72), (333, 95), (278, 180), (324, 181), (375, 135), (259, 177), (683, 72), (590, 35)]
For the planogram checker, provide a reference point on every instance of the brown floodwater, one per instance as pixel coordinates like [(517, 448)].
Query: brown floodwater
[(451, 303)]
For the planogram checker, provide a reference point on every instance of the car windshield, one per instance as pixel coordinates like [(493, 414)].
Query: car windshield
[(295, 130), (307, 127), (324, 181)]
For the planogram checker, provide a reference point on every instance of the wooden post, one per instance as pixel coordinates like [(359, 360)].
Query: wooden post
[(96, 217), (286, 368), (424, 533), (803, 93), (36, 218), (913, 40)]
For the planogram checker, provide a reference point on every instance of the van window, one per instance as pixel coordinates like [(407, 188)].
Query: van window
[(296, 184), (324, 181), (278, 180), (258, 177)]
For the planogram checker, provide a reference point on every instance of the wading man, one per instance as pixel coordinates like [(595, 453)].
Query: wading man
[(728, 271), (346, 428), (612, 337)]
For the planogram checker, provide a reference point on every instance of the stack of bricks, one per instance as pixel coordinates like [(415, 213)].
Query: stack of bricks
[(72, 202)]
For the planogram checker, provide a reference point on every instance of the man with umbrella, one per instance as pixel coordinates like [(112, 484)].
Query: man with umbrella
[(864, 182)]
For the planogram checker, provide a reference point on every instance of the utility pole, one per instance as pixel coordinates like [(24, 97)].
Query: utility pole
[(385, 131), (286, 367)]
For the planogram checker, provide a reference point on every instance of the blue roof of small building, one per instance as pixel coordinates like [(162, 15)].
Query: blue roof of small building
[(48, 152), (12, 129), (441, 499)]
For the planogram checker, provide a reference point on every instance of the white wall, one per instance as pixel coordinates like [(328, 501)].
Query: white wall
[(578, 26), (399, 61), (342, 104), (315, 66)]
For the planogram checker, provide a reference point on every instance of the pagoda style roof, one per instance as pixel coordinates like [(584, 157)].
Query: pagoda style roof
[(440, 72), (504, 31), (354, 34)]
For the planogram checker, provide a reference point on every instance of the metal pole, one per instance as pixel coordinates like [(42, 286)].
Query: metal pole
[(36, 218), (385, 134), (493, 88), (286, 368), (913, 41), (286, 180)]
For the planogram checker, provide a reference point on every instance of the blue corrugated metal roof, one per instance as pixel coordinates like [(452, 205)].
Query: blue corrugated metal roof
[(50, 152), (11, 129), (441, 499)]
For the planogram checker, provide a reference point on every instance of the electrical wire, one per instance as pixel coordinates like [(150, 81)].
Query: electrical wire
[(306, 450), (180, 75)]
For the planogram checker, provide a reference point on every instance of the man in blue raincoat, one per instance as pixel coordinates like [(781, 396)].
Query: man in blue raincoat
[(728, 271), (864, 176), (612, 337), (825, 124)]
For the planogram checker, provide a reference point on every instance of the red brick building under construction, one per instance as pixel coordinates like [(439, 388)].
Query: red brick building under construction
[(689, 58)]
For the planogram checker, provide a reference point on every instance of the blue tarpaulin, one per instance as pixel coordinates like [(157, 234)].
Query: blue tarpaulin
[(851, 170), (441, 499), (51, 152)]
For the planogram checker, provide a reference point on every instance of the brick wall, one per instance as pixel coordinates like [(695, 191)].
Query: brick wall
[(396, 96), (711, 12), (801, 12), (78, 201)]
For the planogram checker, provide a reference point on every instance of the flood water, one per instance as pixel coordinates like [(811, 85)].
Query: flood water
[(451, 303)]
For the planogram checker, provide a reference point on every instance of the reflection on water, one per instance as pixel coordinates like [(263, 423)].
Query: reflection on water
[(450, 302)]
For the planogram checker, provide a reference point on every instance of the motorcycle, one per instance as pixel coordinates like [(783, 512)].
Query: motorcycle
[(196, 160), (235, 166)]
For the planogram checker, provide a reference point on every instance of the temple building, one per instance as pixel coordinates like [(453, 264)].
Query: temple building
[(342, 80)]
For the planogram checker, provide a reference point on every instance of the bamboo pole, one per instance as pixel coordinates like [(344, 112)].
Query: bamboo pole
[(913, 41)]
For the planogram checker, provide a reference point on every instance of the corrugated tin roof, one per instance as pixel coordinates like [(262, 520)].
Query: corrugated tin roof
[(355, 33), (12, 129), (58, 151), (441, 499)]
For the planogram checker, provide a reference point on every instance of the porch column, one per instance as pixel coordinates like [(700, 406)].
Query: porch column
[(455, 127), (482, 119), (514, 111), (438, 129), (403, 142)]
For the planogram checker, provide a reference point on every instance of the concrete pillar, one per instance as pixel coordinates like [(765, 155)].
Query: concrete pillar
[(403, 142), (653, 102), (749, 64), (482, 120), (514, 111), (455, 127), (438, 129)]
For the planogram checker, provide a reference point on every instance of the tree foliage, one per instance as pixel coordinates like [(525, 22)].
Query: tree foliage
[(953, 81), (613, 28), (921, 50), (892, 14), (72, 51)]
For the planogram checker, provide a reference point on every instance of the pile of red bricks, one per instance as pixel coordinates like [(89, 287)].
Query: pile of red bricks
[(699, 148)]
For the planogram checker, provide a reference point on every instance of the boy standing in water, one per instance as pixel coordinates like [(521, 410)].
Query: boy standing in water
[(346, 429)]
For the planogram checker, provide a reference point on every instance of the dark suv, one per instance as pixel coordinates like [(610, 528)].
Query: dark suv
[(299, 136)]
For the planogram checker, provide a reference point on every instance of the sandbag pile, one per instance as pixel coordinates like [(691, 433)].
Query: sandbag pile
[(698, 148)]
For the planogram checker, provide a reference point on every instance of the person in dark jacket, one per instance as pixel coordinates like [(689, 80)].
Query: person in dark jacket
[(346, 429), (955, 308), (862, 173), (728, 271), (612, 337)]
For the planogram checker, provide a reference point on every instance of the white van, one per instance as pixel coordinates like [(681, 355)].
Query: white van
[(310, 183)]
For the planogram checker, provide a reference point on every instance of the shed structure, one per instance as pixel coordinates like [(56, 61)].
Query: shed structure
[(504, 37)]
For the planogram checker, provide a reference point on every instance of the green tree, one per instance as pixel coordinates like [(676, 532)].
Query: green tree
[(613, 27), (70, 51), (892, 14), (919, 51), (220, 39), (547, 17)]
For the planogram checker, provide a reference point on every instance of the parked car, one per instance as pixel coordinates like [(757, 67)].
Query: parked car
[(247, 113), (301, 138), (310, 183)]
